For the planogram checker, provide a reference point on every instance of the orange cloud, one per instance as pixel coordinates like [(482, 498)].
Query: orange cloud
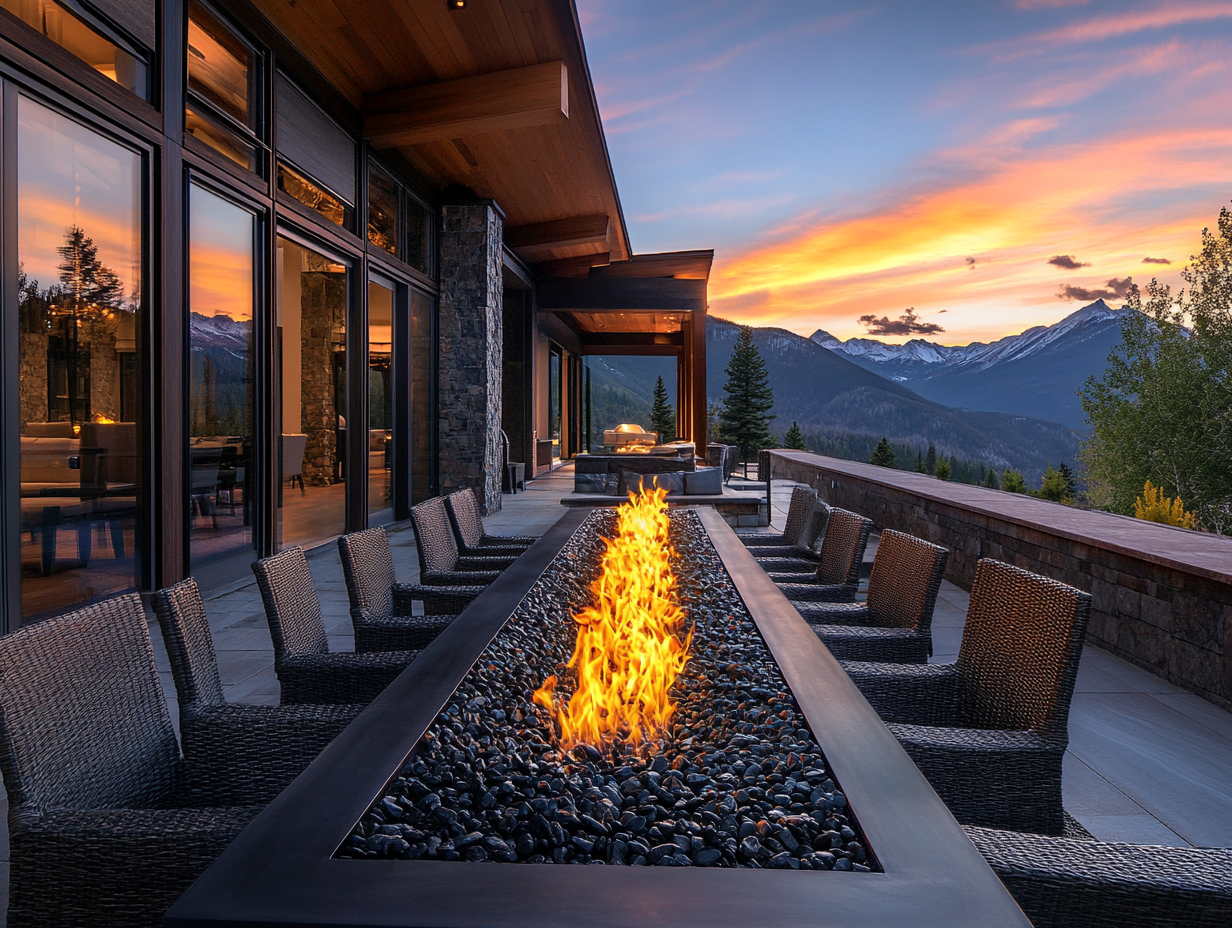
[(1111, 201)]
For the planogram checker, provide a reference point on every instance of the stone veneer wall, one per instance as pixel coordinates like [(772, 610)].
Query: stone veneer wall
[(322, 310), (1162, 596), (470, 344)]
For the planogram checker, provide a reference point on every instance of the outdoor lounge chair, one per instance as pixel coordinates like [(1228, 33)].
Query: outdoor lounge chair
[(472, 541), (381, 607), (895, 624), (836, 576), (799, 510), (989, 730), (307, 671), (440, 564), (106, 825), (251, 750), (1072, 883), (805, 554)]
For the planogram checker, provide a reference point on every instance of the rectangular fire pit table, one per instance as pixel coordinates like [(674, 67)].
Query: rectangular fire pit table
[(282, 870)]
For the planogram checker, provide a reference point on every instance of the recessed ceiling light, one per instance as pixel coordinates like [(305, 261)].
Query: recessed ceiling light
[(455, 4)]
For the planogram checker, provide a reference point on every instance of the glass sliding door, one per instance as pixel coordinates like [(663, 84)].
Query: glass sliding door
[(422, 400), (310, 347), (80, 245), (380, 404), (221, 336), (554, 400)]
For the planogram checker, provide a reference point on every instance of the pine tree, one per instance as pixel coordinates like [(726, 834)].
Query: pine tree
[(990, 480), (86, 282), (883, 455), (1013, 481), (943, 469), (919, 462), (1053, 486), (794, 439), (662, 417), (1071, 488), (746, 414), (930, 460)]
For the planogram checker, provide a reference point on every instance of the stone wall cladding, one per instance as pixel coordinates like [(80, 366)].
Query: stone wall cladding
[(1173, 622), (470, 347)]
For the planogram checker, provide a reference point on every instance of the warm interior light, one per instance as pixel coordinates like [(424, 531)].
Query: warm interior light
[(103, 420), (627, 427), (455, 4), (629, 651)]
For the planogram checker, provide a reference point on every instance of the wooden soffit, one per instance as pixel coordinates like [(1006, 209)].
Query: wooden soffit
[(496, 97)]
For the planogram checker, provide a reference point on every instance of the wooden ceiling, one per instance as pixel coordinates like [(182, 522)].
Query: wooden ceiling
[(554, 170), (627, 322)]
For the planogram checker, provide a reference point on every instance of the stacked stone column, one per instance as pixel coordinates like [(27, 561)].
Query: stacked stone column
[(469, 365)]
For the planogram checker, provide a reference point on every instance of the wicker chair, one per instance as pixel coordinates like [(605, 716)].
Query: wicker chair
[(805, 553), (1070, 883), (251, 750), (895, 624), (440, 564), (798, 513), (467, 523), (836, 576), (105, 828), (381, 608), (989, 731), (307, 671)]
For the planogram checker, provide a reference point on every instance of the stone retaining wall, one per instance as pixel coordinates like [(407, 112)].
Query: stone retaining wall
[(1162, 596)]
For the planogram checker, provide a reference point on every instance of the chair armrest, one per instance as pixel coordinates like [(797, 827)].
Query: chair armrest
[(437, 600), (1099, 885), (510, 552), (483, 563), (398, 633), (341, 677), (917, 694), (131, 864), (459, 577), (814, 592), (241, 755), (509, 541), (834, 613)]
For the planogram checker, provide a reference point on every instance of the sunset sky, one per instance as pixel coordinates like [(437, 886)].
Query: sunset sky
[(970, 160)]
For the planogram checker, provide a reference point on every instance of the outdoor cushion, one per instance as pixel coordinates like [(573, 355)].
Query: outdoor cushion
[(705, 481)]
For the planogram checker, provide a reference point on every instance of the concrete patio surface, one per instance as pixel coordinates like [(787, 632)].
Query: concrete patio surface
[(1148, 762)]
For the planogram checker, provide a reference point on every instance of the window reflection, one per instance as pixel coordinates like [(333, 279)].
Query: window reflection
[(220, 332), (79, 282), (316, 198), (311, 346), (423, 405), (222, 139), (554, 401), (380, 404), (382, 211), (77, 36), (418, 235), (219, 65)]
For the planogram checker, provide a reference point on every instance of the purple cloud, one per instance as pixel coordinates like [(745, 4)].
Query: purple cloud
[(1156, 261), (1116, 290), (906, 324), (1069, 262)]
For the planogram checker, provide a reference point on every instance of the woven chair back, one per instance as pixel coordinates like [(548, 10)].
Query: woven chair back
[(464, 514), (438, 552), (292, 608), (1020, 650), (799, 513), (190, 647), (902, 589), (842, 550), (819, 520), (368, 567), (83, 720)]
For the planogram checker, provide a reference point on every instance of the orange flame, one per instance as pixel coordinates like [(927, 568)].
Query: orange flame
[(628, 653)]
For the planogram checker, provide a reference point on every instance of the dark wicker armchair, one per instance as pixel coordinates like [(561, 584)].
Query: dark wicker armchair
[(895, 624), (799, 511), (803, 556), (472, 540), (440, 564), (248, 750), (836, 576), (105, 827), (1072, 883), (307, 671), (989, 731), (380, 607)]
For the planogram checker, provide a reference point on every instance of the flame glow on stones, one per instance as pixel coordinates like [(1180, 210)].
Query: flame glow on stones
[(629, 651)]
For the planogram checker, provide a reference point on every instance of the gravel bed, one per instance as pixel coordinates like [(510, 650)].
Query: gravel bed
[(738, 782)]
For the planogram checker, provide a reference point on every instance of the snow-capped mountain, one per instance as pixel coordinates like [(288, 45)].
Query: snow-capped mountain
[(1037, 372)]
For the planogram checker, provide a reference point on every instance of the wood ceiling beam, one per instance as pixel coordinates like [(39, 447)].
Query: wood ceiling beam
[(632, 339), (514, 99), (570, 267), (591, 294), (560, 233)]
